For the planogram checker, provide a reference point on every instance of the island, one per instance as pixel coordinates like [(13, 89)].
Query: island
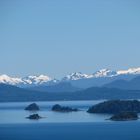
[(34, 117), (116, 106), (60, 108), (32, 107), (125, 116)]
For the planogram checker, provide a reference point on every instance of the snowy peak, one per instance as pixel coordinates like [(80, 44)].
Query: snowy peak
[(100, 73), (76, 76), (129, 71), (110, 73), (46, 80), (30, 80), (36, 79), (79, 75), (9, 80), (104, 73)]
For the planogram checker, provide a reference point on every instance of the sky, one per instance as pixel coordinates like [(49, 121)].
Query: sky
[(57, 37)]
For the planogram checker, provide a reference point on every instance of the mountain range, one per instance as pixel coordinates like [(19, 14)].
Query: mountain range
[(76, 79), (104, 84), (133, 84), (60, 87), (10, 93)]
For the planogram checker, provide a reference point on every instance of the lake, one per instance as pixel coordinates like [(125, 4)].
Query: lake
[(18, 114), (62, 126)]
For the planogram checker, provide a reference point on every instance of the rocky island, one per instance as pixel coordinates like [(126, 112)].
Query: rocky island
[(60, 108), (32, 107), (116, 106), (34, 117), (125, 116)]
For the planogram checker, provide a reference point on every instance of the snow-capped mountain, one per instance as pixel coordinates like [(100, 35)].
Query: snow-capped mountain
[(129, 71), (26, 81), (104, 73), (36, 79), (73, 77), (101, 73), (5, 79), (76, 76)]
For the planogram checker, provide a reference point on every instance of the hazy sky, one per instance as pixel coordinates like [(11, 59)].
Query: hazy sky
[(57, 37)]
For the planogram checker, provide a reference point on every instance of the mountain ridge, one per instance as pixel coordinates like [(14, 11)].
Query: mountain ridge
[(10, 93), (35, 80), (133, 84)]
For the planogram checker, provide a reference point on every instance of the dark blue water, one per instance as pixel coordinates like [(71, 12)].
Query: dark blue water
[(71, 131), (63, 126)]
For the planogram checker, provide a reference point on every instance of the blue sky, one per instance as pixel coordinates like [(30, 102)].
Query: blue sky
[(57, 37)]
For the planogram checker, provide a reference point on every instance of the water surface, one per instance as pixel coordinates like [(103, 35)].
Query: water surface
[(62, 126), (71, 131), (15, 113)]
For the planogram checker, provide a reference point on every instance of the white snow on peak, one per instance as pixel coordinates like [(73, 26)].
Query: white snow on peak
[(104, 73), (129, 71), (5, 79), (36, 79), (100, 73), (44, 79), (76, 76), (9, 80)]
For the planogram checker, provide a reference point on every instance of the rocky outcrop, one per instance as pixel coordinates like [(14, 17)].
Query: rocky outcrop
[(124, 116), (34, 117), (32, 107), (116, 106), (59, 108)]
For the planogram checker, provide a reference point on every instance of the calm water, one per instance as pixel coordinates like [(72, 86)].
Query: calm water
[(71, 131), (62, 126), (18, 114)]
